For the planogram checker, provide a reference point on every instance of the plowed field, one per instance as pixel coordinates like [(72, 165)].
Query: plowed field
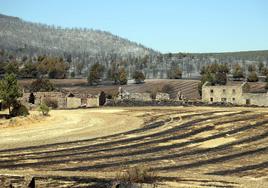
[(185, 146)]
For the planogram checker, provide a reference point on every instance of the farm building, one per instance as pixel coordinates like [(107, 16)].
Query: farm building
[(241, 93), (36, 98), (60, 100)]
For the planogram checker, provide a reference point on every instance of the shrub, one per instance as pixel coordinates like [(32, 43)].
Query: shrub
[(153, 93), (102, 98), (72, 74), (167, 88), (53, 103), (19, 110), (109, 96), (44, 109), (137, 174)]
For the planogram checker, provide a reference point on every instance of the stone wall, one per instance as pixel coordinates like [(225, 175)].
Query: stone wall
[(62, 100), (41, 96), (93, 102), (258, 99), (162, 96), (73, 102), (140, 96)]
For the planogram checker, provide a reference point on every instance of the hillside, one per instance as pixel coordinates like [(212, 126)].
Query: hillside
[(19, 35), (25, 41)]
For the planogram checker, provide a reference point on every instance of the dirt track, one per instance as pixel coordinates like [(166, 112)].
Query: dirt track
[(64, 126), (186, 146)]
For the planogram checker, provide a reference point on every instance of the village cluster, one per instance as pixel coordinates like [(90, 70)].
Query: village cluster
[(237, 93)]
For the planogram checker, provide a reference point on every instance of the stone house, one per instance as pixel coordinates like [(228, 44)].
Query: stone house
[(240, 93)]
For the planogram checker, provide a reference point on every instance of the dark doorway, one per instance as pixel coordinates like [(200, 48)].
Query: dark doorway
[(0, 106), (102, 98), (248, 101), (31, 98), (70, 95)]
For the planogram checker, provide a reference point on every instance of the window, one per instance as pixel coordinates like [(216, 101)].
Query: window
[(211, 99), (233, 99), (247, 101), (211, 91), (233, 91), (223, 90), (223, 99)]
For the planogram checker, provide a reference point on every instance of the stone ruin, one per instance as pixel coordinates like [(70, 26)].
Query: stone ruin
[(162, 96), (62, 100), (180, 96), (140, 96), (143, 96), (122, 94)]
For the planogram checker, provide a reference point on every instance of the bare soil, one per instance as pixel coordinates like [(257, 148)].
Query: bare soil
[(63, 126), (185, 146)]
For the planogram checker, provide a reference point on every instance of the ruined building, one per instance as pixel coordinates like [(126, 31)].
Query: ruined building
[(61, 100)]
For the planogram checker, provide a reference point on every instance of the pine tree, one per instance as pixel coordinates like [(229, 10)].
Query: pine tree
[(122, 76), (95, 74), (10, 91)]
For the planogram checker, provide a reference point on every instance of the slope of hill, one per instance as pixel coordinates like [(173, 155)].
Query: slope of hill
[(250, 55), (32, 37), (24, 41)]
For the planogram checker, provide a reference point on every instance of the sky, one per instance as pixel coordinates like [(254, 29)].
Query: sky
[(164, 25)]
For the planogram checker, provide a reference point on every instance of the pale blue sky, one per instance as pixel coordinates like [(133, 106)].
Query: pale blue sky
[(164, 25)]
